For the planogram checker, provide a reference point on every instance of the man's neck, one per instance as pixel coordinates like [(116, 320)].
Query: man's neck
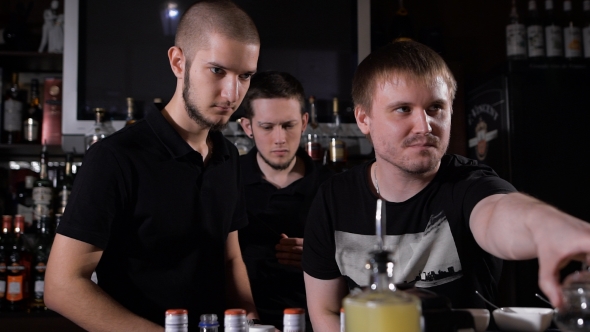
[(282, 178), (194, 134), (396, 185)]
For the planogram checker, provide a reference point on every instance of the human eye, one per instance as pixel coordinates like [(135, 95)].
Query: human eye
[(246, 76), (216, 70), (402, 109), (435, 108)]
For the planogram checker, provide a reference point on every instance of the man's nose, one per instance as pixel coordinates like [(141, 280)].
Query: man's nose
[(230, 88)]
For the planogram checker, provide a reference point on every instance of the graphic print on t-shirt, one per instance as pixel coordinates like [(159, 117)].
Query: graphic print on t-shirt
[(426, 259)]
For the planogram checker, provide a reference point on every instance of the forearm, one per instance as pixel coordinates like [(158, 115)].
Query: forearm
[(325, 321), (514, 225), (324, 300), (239, 294), (87, 305)]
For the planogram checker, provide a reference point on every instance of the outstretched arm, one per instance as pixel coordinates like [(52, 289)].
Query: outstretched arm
[(238, 292), (70, 292), (324, 300), (516, 226)]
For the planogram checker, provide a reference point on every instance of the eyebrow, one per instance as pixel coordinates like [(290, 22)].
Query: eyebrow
[(260, 123), (407, 103), (217, 65)]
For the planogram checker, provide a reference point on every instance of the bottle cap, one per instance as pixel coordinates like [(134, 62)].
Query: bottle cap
[(294, 311), (294, 317), (208, 320), (235, 318), (176, 316)]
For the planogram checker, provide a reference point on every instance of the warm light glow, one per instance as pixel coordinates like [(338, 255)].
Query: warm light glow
[(172, 10)]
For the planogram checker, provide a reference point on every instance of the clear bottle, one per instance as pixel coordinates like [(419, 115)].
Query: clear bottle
[(572, 36), (311, 136), (130, 112), (42, 192), (336, 146), (534, 31), (208, 323), (574, 313), (33, 116), (294, 320), (243, 143), (515, 36), (176, 320), (553, 33), (586, 30), (13, 109), (99, 130), (235, 320)]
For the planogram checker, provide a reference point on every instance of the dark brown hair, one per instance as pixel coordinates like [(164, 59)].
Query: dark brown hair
[(273, 84), (408, 58), (207, 17)]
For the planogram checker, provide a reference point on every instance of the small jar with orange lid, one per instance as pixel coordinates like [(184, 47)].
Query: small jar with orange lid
[(176, 320), (294, 320), (235, 320)]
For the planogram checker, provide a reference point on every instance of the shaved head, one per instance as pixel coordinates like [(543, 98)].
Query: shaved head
[(208, 17)]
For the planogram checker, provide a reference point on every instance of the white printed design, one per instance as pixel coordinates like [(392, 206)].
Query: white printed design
[(426, 259)]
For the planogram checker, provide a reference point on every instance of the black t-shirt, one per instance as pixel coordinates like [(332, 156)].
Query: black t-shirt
[(272, 211), (162, 217), (429, 233)]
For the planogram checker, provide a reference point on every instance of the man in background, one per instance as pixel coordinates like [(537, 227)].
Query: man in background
[(280, 181)]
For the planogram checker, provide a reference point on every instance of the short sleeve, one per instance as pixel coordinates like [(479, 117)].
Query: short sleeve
[(96, 199)]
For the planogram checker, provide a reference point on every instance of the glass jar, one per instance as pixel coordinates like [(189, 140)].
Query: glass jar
[(574, 313), (99, 131)]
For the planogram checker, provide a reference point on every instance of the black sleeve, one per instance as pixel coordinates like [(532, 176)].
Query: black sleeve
[(97, 198), (319, 248), (240, 218)]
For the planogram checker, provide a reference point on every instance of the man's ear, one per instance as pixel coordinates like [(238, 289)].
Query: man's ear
[(363, 120), (304, 121), (177, 61), (246, 126)]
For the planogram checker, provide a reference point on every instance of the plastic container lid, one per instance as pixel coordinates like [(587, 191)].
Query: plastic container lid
[(235, 318), (176, 316), (294, 317), (294, 311)]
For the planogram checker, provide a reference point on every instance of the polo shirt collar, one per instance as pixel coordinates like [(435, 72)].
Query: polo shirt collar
[(175, 144)]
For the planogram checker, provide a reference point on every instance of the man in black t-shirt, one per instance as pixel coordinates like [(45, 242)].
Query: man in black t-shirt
[(156, 207), (280, 181), (449, 219)]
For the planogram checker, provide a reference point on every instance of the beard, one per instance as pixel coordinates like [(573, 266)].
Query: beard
[(193, 111), (275, 166), (418, 167)]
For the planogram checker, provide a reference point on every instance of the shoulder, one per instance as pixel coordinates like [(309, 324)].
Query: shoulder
[(456, 167), (346, 182)]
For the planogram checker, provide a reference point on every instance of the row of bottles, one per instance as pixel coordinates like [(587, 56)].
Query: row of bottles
[(234, 321), (22, 270), (102, 128), (551, 35), (25, 120)]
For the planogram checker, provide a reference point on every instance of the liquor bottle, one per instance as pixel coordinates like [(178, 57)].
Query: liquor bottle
[(235, 320), (312, 134), (294, 320), (515, 36), (586, 30), (535, 35), (99, 130), (130, 112), (13, 109), (44, 240), (176, 320), (572, 36), (241, 141), (401, 25), (52, 111), (388, 308), (64, 185), (24, 198), (553, 34), (5, 245), (33, 116), (42, 191), (16, 276), (336, 146), (208, 323)]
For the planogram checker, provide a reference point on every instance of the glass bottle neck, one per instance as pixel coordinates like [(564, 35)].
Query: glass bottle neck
[(381, 281)]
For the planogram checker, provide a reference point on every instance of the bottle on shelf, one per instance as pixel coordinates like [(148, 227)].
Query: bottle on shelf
[(100, 130), (401, 25), (553, 34), (13, 109), (5, 245), (586, 30), (572, 35), (534, 32), (208, 323), (516, 48), (64, 185), (130, 112), (311, 136), (24, 194), (235, 320), (336, 146), (294, 320), (241, 141), (389, 308), (42, 192), (33, 116), (16, 276), (176, 320), (41, 255)]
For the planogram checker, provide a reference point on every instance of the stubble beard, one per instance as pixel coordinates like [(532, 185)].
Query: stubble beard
[(193, 111), (275, 166), (412, 167)]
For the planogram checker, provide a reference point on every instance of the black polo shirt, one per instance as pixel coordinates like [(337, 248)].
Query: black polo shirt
[(162, 217), (272, 211)]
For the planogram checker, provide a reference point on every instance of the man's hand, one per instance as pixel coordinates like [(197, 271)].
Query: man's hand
[(290, 250)]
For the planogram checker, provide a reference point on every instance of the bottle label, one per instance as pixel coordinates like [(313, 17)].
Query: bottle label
[(2, 289), (573, 42), (14, 289), (314, 150), (337, 149), (536, 41), (39, 289), (515, 39), (31, 130), (554, 41), (12, 115), (41, 202), (586, 37), (26, 212)]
